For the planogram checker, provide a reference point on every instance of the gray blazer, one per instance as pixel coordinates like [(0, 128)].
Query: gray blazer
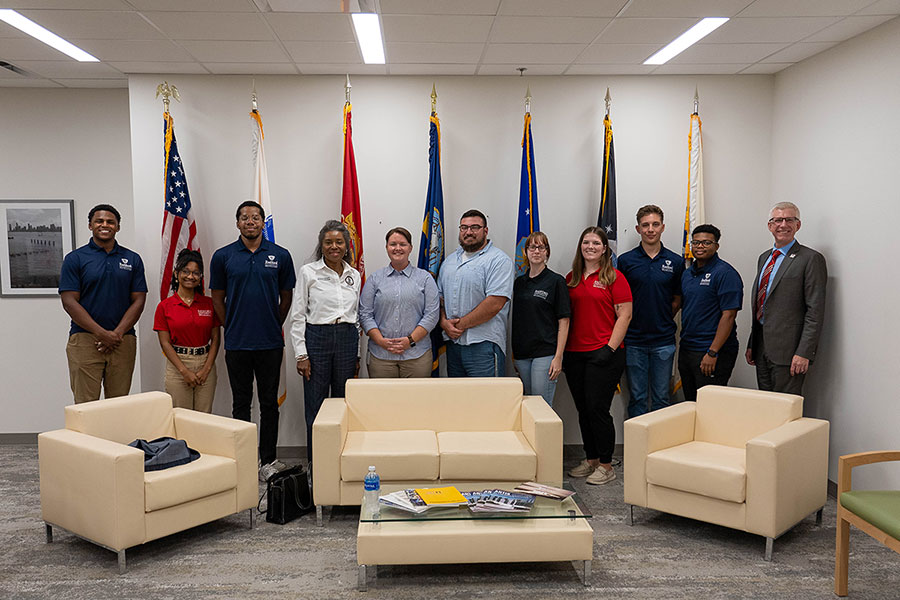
[(795, 306)]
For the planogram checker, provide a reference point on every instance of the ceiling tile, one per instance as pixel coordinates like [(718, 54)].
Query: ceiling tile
[(69, 69), (725, 53), (412, 53), (685, 8), (311, 28), (94, 83), (25, 82), (439, 7), (431, 28), (847, 28), (8, 31), (549, 30), (251, 68), (562, 8), (700, 69), (803, 8), (341, 69), (196, 5), (645, 31), (7, 74), (82, 4), (800, 51), (765, 68), (307, 6), (617, 53), (757, 30), (882, 7), (211, 26), (431, 69), (165, 68), (532, 53), (93, 24), (533, 69), (609, 70), (129, 50), (324, 52), (26, 48), (246, 51)]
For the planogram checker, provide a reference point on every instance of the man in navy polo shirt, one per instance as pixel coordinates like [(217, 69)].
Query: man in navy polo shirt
[(103, 289), (251, 284), (654, 274), (712, 292)]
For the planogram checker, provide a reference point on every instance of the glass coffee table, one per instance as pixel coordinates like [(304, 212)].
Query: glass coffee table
[(551, 531)]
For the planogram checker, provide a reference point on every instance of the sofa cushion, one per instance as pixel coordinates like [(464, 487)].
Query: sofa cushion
[(486, 456), (127, 418), (397, 455), (733, 416), (208, 475), (702, 468)]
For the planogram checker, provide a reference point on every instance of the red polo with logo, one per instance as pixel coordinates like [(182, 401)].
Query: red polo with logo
[(593, 311), (189, 326)]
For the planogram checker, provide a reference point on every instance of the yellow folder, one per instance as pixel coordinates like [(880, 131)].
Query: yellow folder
[(442, 495)]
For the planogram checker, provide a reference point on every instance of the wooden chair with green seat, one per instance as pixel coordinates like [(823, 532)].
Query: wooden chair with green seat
[(876, 512)]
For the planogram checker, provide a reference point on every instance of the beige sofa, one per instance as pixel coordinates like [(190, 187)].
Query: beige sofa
[(94, 485), (431, 432), (740, 458)]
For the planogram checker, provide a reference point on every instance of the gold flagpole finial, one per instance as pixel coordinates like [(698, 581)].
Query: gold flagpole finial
[(167, 91), (528, 99), (433, 98), (347, 87), (254, 100), (696, 100), (608, 100)]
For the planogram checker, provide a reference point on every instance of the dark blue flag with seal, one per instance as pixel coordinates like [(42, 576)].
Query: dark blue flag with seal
[(431, 245), (607, 218), (528, 197)]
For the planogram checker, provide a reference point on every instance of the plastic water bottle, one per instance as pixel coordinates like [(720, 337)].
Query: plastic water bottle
[(372, 486)]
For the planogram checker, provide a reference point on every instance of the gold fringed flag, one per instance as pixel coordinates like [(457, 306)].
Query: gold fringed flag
[(350, 214)]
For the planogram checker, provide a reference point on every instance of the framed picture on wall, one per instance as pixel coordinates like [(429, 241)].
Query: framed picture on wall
[(39, 233)]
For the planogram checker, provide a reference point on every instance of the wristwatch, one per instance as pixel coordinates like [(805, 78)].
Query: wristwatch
[(412, 342), (712, 353)]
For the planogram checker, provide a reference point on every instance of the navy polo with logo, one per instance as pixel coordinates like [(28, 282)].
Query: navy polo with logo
[(105, 282), (654, 282), (252, 282), (707, 292)]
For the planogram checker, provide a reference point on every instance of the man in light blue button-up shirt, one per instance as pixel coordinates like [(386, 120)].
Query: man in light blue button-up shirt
[(476, 285)]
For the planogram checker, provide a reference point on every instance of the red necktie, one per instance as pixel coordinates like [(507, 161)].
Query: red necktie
[(764, 285)]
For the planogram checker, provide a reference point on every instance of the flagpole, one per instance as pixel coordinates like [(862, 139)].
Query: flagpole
[(528, 99), (433, 99), (696, 100), (167, 91), (608, 100)]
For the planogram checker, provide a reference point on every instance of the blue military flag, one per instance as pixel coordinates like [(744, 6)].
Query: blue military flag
[(607, 219), (431, 245), (528, 198)]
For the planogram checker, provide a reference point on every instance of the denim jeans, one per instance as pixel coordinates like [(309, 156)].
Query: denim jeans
[(484, 359), (535, 375), (648, 370)]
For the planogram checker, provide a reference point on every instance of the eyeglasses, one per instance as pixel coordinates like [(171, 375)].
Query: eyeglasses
[(253, 218), (702, 243), (780, 220), (536, 248), (472, 228), (195, 274)]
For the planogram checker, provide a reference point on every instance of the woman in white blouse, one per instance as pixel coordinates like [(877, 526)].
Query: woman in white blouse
[(324, 320)]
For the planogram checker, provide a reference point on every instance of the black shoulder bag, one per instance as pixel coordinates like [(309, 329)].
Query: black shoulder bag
[(288, 496)]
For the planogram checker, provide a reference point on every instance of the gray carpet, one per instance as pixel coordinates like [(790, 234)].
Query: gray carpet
[(661, 556)]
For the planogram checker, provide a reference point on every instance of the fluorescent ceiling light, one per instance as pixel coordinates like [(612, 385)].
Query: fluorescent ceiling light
[(368, 34), (686, 39), (48, 37)]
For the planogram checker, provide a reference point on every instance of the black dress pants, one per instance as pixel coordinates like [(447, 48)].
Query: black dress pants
[(593, 379), (692, 378), (265, 365)]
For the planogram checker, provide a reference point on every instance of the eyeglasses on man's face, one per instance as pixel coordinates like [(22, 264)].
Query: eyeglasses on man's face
[(702, 243), (472, 228), (250, 218), (780, 220)]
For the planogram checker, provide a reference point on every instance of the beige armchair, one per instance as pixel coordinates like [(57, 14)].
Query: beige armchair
[(94, 485), (744, 459)]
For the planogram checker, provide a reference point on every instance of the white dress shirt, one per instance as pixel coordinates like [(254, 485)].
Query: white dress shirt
[(322, 297)]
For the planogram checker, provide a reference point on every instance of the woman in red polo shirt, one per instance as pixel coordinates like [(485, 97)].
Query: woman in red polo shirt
[(594, 359), (188, 332)]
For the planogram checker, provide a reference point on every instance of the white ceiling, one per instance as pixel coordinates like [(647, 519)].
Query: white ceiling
[(422, 37)]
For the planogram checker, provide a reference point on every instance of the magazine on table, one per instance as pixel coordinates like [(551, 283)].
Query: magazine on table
[(500, 501), (411, 500), (547, 491)]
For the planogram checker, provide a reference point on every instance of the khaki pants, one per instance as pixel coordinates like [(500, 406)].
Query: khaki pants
[(415, 367), (88, 368), (183, 396)]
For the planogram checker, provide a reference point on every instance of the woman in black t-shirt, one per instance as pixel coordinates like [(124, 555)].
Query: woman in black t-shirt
[(540, 320)]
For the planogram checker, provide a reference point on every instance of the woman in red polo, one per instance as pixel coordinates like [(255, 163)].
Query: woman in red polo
[(594, 359), (188, 332)]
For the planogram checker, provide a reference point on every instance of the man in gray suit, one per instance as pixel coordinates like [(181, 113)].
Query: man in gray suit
[(788, 306)]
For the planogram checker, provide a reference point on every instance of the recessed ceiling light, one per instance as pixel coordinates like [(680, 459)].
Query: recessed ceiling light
[(368, 34), (48, 37), (686, 39)]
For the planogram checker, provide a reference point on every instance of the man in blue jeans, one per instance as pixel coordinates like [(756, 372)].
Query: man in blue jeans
[(654, 274), (476, 285)]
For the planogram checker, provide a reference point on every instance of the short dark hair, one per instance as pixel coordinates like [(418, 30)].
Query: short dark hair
[(107, 208), (245, 204), (474, 212), (398, 230), (184, 257), (707, 228), (333, 225), (649, 209)]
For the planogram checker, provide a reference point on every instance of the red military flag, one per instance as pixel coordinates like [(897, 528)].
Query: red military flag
[(350, 214)]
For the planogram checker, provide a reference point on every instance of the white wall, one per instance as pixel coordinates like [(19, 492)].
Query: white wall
[(836, 153), (55, 144), (481, 125)]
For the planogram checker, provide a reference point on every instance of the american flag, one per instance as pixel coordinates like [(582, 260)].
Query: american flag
[(179, 230)]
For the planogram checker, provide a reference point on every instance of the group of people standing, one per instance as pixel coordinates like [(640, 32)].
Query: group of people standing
[(593, 324)]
